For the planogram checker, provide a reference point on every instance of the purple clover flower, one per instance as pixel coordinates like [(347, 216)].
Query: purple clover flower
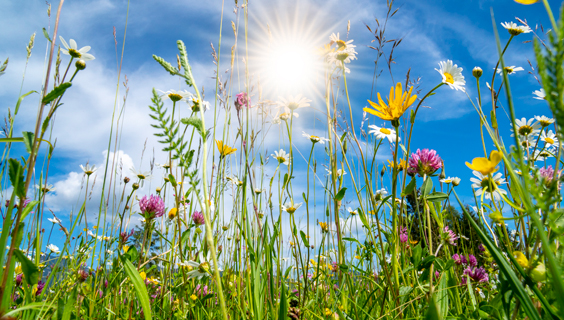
[(424, 162), (40, 286), (242, 99), (476, 275), (403, 235), (19, 279), (198, 218), (481, 248), (472, 262), (547, 173), (449, 236), (124, 236), (152, 207), (457, 258)]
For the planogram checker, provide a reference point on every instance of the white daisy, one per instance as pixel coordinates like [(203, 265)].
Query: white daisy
[(55, 220), (549, 138), (382, 133), (53, 248), (488, 186), (74, 52), (351, 211), (203, 268), (180, 95), (282, 157), (88, 170), (452, 75), (195, 104), (514, 29), (344, 52), (544, 120), (315, 139), (291, 207), (142, 176), (45, 187), (527, 127), (541, 155), (379, 195), (539, 94), (293, 103), (509, 70), (340, 172), (234, 180), (454, 180)]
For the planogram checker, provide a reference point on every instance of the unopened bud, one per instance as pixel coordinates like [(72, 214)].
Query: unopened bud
[(135, 186), (477, 72), (80, 64), (126, 180)]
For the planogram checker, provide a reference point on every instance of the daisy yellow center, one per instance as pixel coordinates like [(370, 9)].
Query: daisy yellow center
[(341, 44), (141, 176), (488, 184), (509, 69), (447, 181), (293, 105), (525, 130), (545, 123), (342, 56), (314, 138), (544, 154), (284, 116), (385, 131), (204, 267), (89, 172), (175, 97), (74, 53), (280, 159), (549, 140), (291, 210), (449, 78)]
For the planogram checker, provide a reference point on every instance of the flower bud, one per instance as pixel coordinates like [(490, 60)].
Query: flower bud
[(126, 180), (135, 186), (539, 273), (80, 64), (477, 72)]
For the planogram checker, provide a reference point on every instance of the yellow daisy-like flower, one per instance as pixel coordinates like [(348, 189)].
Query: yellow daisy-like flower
[(398, 102), (521, 259), (484, 165), (223, 149), (172, 213), (194, 297), (143, 275), (401, 165), (324, 226), (125, 248)]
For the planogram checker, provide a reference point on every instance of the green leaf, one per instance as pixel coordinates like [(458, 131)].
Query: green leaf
[(172, 179), (46, 34), (437, 197), (432, 311), (409, 188), (28, 138), (416, 255), (283, 307), (30, 270), (56, 92), (32, 306), (341, 194), (16, 177), (139, 286), (426, 263), (69, 305), (304, 238), (441, 295), (427, 186), (20, 99), (196, 123)]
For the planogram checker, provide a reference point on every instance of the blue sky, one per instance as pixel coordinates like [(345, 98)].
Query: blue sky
[(433, 31)]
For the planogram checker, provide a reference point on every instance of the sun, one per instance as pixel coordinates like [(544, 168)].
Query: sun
[(290, 66)]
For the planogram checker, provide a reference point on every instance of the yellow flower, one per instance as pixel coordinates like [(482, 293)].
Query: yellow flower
[(194, 297), (401, 165), (526, 1), (224, 150), (398, 102), (328, 312), (521, 259), (125, 248), (484, 165), (143, 275), (324, 226), (18, 269), (172, 213)]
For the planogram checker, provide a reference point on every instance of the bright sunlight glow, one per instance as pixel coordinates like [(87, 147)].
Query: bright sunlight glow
[(290, 66)]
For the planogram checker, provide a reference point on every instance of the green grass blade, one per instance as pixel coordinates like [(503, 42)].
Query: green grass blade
[(139, 285)]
